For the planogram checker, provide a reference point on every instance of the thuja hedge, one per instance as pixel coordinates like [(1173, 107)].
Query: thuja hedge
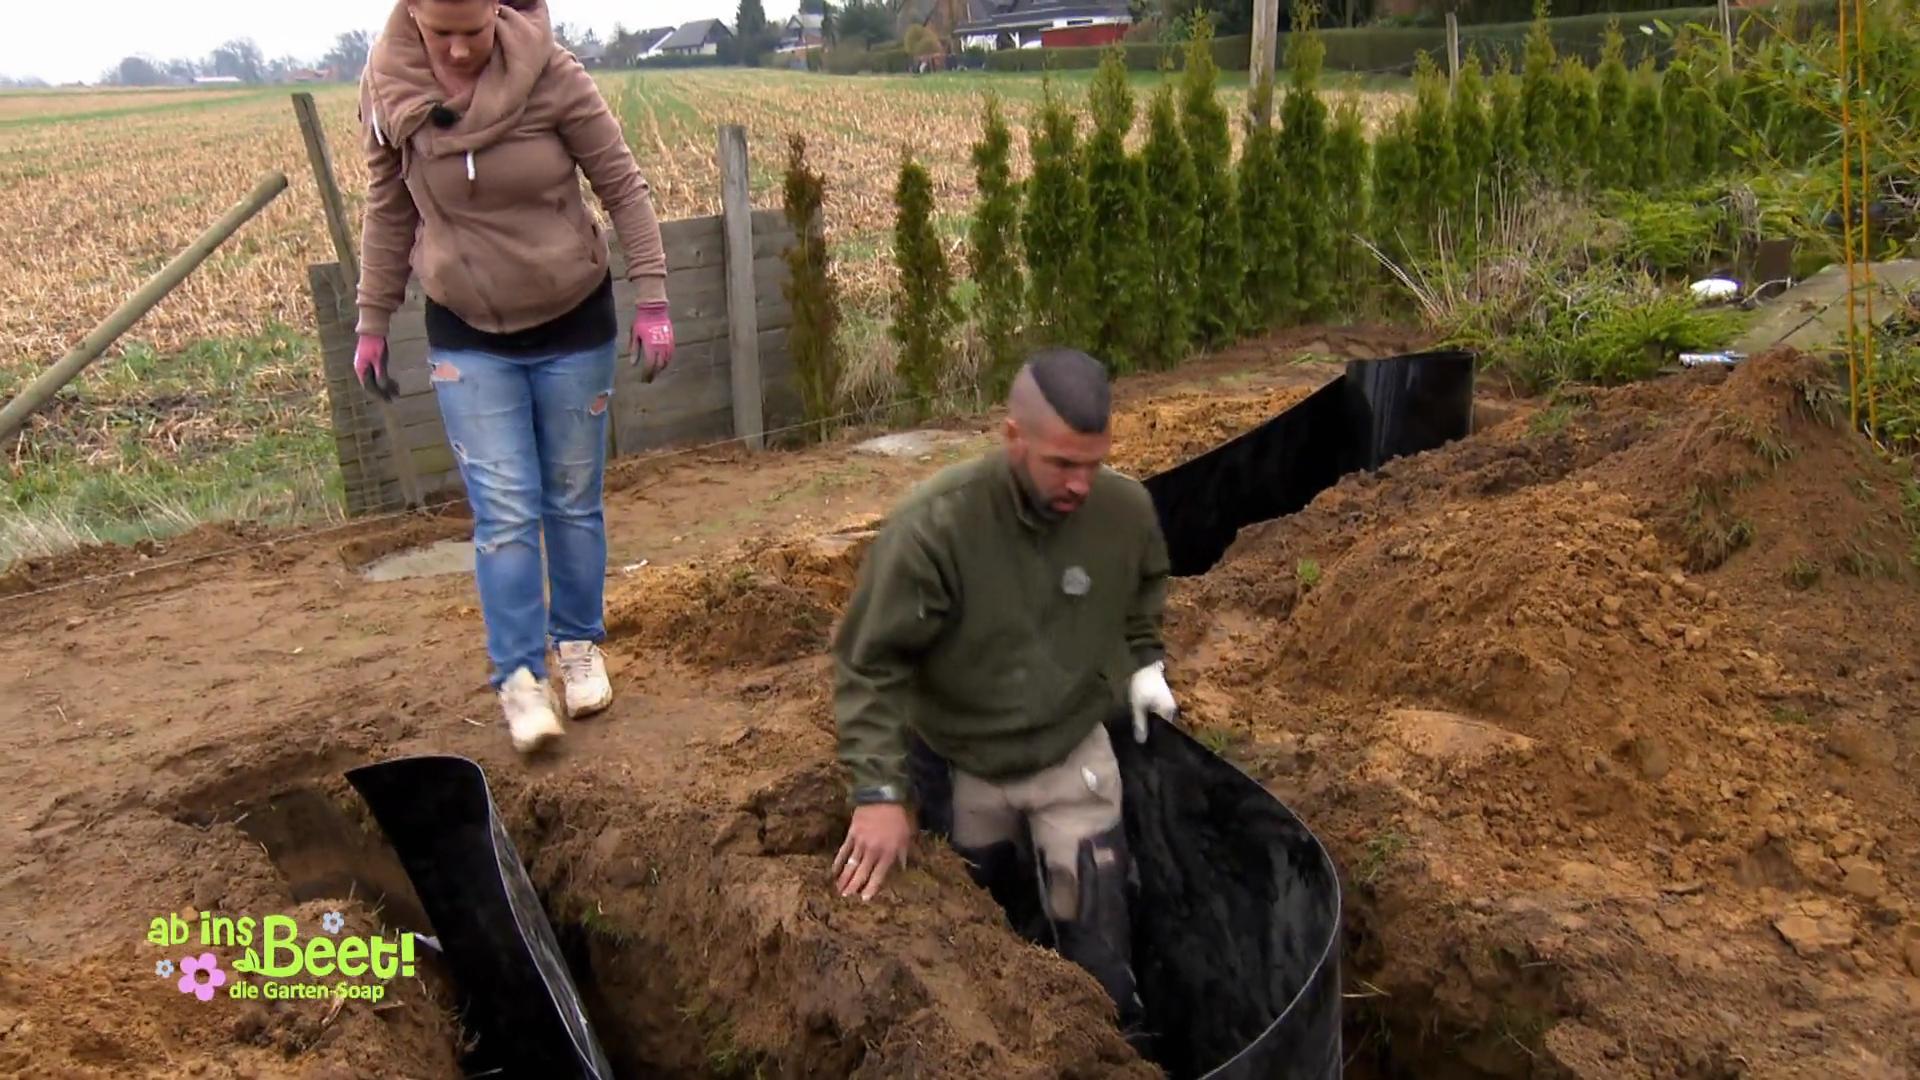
[(1391, 50)]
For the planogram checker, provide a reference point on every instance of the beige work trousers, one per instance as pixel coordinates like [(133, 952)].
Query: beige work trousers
[(1076, 800)]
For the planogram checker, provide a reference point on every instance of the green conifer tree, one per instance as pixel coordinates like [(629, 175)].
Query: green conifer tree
[(924, 312), (1396, 189), (811, 291), (1647, 123), (1269, 285), (1539, 99), (1579, 110), (1303, 165), (1676, 85), (1614, 149), (1472, 140), (1438, 192), (1054, 231), (1204, 122), (1349, 163), (993, 252), (1173, 231), (1508, 116), (1116, 200)]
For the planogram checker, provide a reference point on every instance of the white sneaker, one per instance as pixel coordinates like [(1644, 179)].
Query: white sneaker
[(528, 703), (583, 667)]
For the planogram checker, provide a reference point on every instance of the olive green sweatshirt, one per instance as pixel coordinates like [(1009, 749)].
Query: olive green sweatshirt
[(1000, 636)]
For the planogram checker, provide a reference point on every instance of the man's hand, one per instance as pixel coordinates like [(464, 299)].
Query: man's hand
[(1148, 692), (877, 839)]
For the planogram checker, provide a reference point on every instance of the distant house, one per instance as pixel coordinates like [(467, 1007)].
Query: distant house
[(1025, 24), (591, 54), (647, 42), (801, 32), (702, 37)]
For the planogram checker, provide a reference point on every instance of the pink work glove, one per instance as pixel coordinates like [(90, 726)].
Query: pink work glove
[(370, 359), (652, 339)]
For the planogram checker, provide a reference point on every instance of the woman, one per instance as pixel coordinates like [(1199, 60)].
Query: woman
[(475, 121)]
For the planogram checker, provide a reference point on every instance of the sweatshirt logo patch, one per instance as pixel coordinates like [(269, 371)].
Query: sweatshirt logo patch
[(1075, 581)]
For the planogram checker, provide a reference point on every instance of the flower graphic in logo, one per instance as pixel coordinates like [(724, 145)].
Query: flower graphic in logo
[(332, 922), (164, 969), (202, 975)]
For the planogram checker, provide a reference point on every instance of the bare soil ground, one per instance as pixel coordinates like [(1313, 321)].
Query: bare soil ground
[(1606, 712)]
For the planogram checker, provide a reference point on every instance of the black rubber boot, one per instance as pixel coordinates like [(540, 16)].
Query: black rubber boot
[(1005, 870), (1100, 938)]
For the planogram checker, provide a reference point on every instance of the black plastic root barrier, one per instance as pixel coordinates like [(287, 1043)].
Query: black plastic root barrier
[(1237, 908), (441, 819), (1375, 411)]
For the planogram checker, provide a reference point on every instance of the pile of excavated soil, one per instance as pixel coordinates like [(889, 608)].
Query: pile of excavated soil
[(768, 602), (1165, 430), (1606, 714)]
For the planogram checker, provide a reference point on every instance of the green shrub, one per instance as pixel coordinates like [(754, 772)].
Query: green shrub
[(993, 255), (1540, 101), (1349, 159), (1579, 113), (1203, 121), (1614, 147), (868, 62), (1395, 193), (1676, 235), (1681, 145), (1060, 277), (924, 312), (1647, 120), (810, 287), (1508, 118), (1472, 138), (1268, 286), (1173, 229), (1117, 244), (1303, 162), (1438, 189)]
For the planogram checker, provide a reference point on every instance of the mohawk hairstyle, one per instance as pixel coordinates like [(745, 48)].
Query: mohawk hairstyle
[(1075, 386)]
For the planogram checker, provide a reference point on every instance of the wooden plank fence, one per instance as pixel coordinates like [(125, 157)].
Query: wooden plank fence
[(691, 402)]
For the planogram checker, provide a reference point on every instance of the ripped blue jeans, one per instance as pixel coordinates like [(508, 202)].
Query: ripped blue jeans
[(530, 436)]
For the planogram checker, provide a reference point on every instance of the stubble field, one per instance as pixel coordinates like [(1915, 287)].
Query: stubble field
[(213, 405)]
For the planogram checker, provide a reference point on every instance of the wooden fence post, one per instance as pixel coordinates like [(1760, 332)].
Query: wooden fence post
[(1266, 27), (335, 208), (1453, 50), (743, 324)]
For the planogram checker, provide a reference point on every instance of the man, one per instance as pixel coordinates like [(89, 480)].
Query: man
[(997, 615)]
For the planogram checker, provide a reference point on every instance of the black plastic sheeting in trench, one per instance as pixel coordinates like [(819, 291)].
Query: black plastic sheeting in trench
[(1236, 909)]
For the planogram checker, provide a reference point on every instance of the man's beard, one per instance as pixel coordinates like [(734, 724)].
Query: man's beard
[(1036, 502)]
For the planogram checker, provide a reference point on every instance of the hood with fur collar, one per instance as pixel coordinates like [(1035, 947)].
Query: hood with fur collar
[(398, 92)]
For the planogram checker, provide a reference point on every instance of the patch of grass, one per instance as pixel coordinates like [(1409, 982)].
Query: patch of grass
[(1307, 573), (1712, 533), (1218, 740), (151, 445), (1766, 442), (1792, 715), (1802, 574), (1862, 560), (1381, 850), (1555, 418)]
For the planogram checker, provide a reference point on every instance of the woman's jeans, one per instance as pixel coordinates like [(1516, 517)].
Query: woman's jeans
[(530, 436)]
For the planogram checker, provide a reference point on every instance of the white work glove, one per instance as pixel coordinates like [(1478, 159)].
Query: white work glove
[(1147, 692)]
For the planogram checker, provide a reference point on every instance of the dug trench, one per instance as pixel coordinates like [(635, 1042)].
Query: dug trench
[(1604, 711)]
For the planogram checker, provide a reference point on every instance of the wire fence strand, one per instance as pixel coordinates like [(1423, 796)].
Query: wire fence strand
[(386, 517)]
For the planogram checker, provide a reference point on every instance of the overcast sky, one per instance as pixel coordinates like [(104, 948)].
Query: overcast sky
[(77, 40)]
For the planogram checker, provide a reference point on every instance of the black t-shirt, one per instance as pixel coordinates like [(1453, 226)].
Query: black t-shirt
[(590, 324)]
